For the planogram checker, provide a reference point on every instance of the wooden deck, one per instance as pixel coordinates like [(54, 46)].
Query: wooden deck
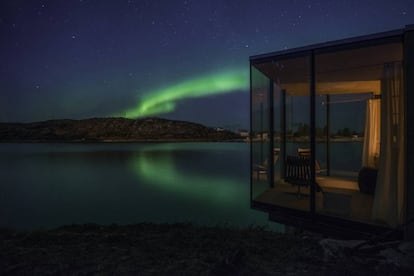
[(339, 197)]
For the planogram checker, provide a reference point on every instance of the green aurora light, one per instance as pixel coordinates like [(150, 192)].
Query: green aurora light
[(164, 100), (160, 170)]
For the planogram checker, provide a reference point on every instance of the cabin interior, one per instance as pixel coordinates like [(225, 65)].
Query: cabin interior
[(328, 131)]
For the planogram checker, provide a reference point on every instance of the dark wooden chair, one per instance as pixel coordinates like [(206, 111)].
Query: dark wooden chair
[(298, 172), (307, 153)]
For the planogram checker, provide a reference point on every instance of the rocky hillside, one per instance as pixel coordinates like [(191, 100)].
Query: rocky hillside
[(112, 130)]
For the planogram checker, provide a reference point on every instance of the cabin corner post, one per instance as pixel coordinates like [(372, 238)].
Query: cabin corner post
[(312, 131), (271, 134), (328, 138), (251, 133), (409, 131), (283, 135)]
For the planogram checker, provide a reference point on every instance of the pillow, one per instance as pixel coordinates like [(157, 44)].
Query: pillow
[(367, 180)]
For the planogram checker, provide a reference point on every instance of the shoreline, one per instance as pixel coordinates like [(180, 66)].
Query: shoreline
[(173, 249), (84, 141), (120, 141)]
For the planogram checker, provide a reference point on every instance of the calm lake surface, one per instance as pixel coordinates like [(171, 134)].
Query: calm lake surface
[(49, 185)]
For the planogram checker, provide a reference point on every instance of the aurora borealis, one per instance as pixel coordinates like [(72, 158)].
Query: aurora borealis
[(163, 100), (185, 60)]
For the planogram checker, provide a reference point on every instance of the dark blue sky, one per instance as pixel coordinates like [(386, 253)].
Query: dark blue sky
[(90, 58)]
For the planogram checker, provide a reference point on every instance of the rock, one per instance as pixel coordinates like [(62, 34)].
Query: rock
[(335, 249), (401, 256)]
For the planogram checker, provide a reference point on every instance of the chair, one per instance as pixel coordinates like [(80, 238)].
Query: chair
[(264, 167), (298, 172), (307, 152)]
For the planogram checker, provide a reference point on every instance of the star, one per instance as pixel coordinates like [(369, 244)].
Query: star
[(121, 41)]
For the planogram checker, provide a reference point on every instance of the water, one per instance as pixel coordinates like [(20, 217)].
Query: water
[(48, 185), (344, 156)]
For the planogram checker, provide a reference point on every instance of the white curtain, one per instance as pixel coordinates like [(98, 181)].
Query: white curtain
[(388, 201), (371, 149)]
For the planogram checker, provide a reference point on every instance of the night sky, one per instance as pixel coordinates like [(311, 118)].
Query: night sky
[(184, 60)]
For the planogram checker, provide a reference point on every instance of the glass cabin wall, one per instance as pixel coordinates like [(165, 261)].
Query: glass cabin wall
[(409, 98), (359, 90), (289, 82), (260, 132), (293, 91)]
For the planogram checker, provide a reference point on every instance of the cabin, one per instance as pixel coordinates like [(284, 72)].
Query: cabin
[(336, 153)]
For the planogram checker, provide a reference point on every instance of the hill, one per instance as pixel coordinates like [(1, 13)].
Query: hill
[(111, 130)]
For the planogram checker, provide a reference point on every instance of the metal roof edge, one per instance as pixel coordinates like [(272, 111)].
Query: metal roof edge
[(409, 27), (334, 43)]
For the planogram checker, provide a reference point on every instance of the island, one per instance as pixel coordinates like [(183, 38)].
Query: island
[(113, 130)]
